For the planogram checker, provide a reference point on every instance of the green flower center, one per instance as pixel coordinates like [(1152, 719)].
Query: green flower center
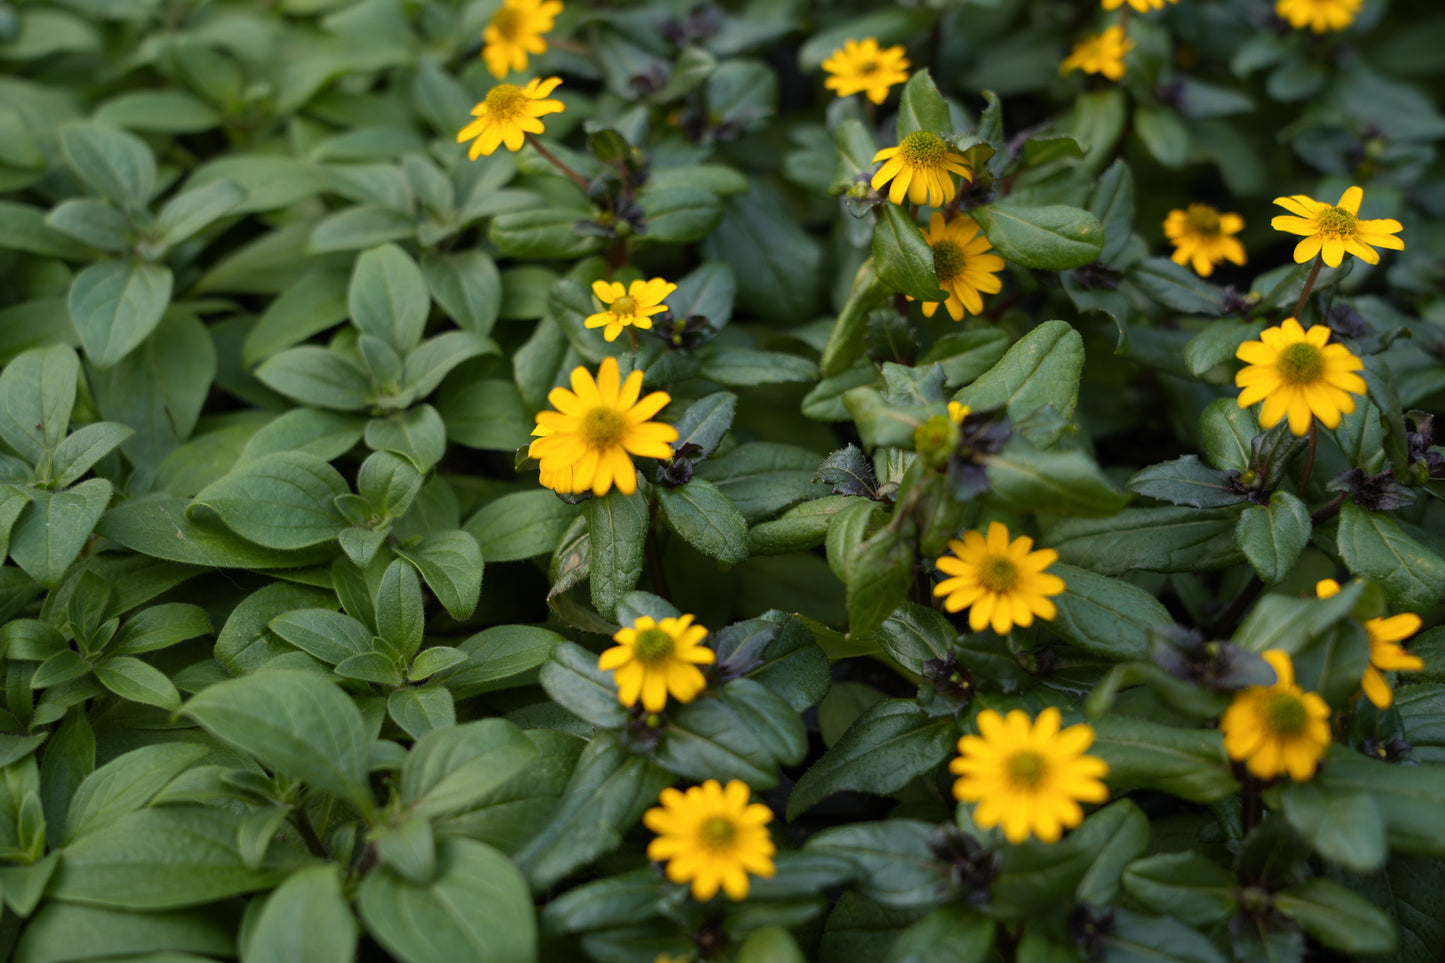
[(1026, 769), (1301, 364), (602, 427), (868, 67), (626, 304), (1202, 219), (652, 646), (1336, 222), (998, 574), (506, 102), (506, 21), (1285, 714), (717, 832), (948, 261), (923, 149)]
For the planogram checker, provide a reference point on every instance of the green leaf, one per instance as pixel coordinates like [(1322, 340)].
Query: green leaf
[(1217, 343), (678, 215), (742, 731), (921, 107), (521, 525), (118, 165), (902, 257), (1273, 536), (895, 865), (312, 303), (950, 934), (417, 434), (79, 452), (161, 858), (296, 723), (388, 297), (846, 341), (400, 615), (915, 634), (771, 944), (1343, 827), (705, 519), (37, 392), (1022, 478), (127, 783), (1052, 238), (1143, 939), (286, 500), (1374, 546), (467, 286), (1338, 918), (617, 525), (53, 527), (66, 932), (880, 572), (885, 748), (1153, 539), (1041, 369), (315, 376), (574, 682), (438, 922), (93, 222), (547, 232), (158, 627), (780, 260), (738, 367), (1186, 763), (1104, 615), (305, 920), (1186, 885), (163, 111), (501, 657), (330, 636), (115, 305), (1185, 481), (195, 209), (705, 422), (487, 414), (449, 770), (422, 710), (1034, 875), (451, 563), (130, 678), (158, 526)]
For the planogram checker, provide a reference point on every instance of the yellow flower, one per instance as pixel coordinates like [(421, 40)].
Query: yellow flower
[(1278, 728), (713, 837), (958, 412), (633, 305), (516, 30), (508, 114), (1386, 654), (962, 264), (1101, 54), (1334, 230), (652, 659), (1143, 6), (864, 67), (1296, 373), (1320, 16), (1202, 236), (919, 168), (584, 445), (1028, 776), (1001, 583)]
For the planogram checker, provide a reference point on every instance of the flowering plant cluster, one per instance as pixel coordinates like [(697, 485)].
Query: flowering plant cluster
[(551, 480)]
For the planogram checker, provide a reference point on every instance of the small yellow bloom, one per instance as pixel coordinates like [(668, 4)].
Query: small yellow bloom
[(920, 168), (1100, 54), (516, 30), (1143, 6), (864, 67), (962, 264), (585, 444), (713, 837), (1001, 583), (652, 659), (1321, 16), (508, 115), (1278, 728), (958, 412), (1386, 653), (1029, 776), (1296, 373), (634, 305), (1331, 231), (1202, 237)]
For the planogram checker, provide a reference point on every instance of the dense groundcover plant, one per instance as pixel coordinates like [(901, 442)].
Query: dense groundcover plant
[(955, 480)]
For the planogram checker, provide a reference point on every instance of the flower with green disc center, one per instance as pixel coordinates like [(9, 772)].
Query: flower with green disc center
[(653, 646), (1026, 769), (1301, 364), (603, 427)]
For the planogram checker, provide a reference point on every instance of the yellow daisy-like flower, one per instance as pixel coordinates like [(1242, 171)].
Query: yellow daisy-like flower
[(920, 168), (1278, 728), (1321, 16), (1296, 373), (1029, 776), (712, 837), (1202, 237), (1001, 583), (633, 305), (1386, 653), (1143, 6), (508, 115), (1100, 54), (1331, 231), (652, 659), (515, 31), (586, 444), (962, 264), (862, 67)]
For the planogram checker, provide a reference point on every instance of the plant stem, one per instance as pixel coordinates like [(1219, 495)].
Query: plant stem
[(1225, 625), (654, 555), (1309, 285), (1304, 478), (1328, 510), (577, 178), (313, 842)]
